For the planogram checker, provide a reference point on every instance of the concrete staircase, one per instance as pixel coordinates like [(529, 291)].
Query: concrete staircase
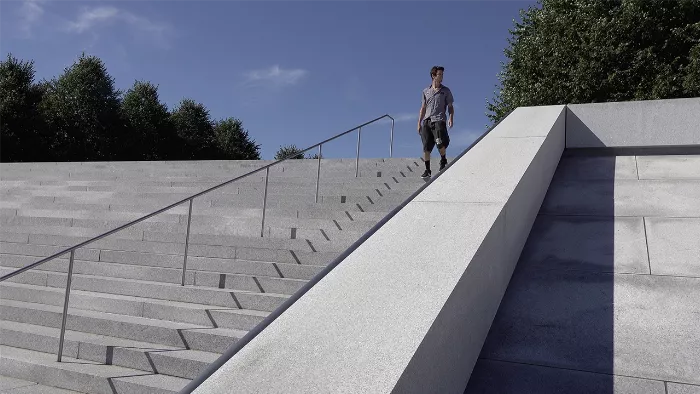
[(132, 328)]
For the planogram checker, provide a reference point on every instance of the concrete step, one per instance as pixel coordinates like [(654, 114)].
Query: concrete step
[(171, 232), (182, 312), (285, 204), (283, 228), (18, 386), (182, 209), (164, 291), (82, 375), (161, 332), (132, 233), (159, 171), (154, 358), (275, 185), (160, 174), (274, 193), (367, 216), (196, 164), (295, 251), (306, 177), (292, 251), (242, 282), (203, 216), (142, 204)]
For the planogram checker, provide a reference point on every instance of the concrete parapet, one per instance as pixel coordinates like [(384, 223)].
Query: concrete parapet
[(409, 309), (634, 124)]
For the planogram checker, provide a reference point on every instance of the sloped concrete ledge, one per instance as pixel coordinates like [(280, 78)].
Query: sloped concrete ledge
[(670, 124), (408, 310)]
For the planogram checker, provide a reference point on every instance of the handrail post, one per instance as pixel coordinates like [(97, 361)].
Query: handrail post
[(391, 140), (357, 159), (262, 226), (65, 305), (318, 171), (187, 241)]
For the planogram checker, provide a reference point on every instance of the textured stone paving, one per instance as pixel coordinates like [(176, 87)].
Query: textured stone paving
[(606, 295)]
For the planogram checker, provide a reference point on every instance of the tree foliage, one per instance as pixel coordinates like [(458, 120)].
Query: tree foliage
[(289, 152), (148, 120), (194, 127), (81, 116), (82, 108), (585, 51), (233, 141), (20, 127)]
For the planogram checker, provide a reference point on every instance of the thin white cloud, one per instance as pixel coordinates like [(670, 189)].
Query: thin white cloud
[(276, 76), (406, 116), (30, 14), (93, 18)]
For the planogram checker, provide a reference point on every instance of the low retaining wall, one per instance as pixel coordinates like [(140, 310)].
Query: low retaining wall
[(409, 309), (634, 124)]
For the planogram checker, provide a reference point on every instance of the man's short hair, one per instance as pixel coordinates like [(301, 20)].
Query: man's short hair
[(434, 70)]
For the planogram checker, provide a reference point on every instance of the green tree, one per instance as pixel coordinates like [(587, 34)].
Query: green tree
[(289, 152), (583, 51), (81, 107), (691, 82), (233, 141), (149, 123), (20, 124), (194, 127)]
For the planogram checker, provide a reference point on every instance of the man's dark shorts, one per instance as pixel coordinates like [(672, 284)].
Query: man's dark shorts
[(432, 132)]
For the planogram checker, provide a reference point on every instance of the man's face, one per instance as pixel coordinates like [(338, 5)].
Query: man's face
[(438, 76)]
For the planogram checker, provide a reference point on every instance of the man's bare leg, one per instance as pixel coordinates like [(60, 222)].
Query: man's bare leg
[(426, 161), (443, 159)]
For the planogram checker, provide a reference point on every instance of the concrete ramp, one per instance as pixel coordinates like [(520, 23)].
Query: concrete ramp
[(409, 309)]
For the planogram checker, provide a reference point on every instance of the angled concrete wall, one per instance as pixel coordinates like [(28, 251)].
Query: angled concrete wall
[(634, 124), (409, 309)]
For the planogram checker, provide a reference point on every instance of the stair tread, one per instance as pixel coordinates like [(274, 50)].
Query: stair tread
[(101, 315), (78, 336), (104, 340), (164, 284), (47, 268), (10, 385), (92, 368), (126, 318), (68, 363), (189, 305)]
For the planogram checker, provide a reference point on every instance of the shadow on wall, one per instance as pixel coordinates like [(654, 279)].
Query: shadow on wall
[(584, 135), (554, 329)]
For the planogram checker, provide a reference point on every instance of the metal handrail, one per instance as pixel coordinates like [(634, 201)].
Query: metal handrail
[(190, 199)]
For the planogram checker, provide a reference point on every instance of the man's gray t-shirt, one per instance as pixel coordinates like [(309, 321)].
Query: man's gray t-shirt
[(436, 102)]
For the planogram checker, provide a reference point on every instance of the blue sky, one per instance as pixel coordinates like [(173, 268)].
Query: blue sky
[(292, 71)]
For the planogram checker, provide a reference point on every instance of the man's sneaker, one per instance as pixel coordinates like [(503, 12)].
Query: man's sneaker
[(443, 163), (426, 174)]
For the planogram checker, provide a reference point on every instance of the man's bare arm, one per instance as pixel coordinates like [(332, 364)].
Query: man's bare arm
[(420, 115), (451, 108)]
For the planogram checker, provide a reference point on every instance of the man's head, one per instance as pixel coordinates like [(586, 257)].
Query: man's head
[(436, 74)]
